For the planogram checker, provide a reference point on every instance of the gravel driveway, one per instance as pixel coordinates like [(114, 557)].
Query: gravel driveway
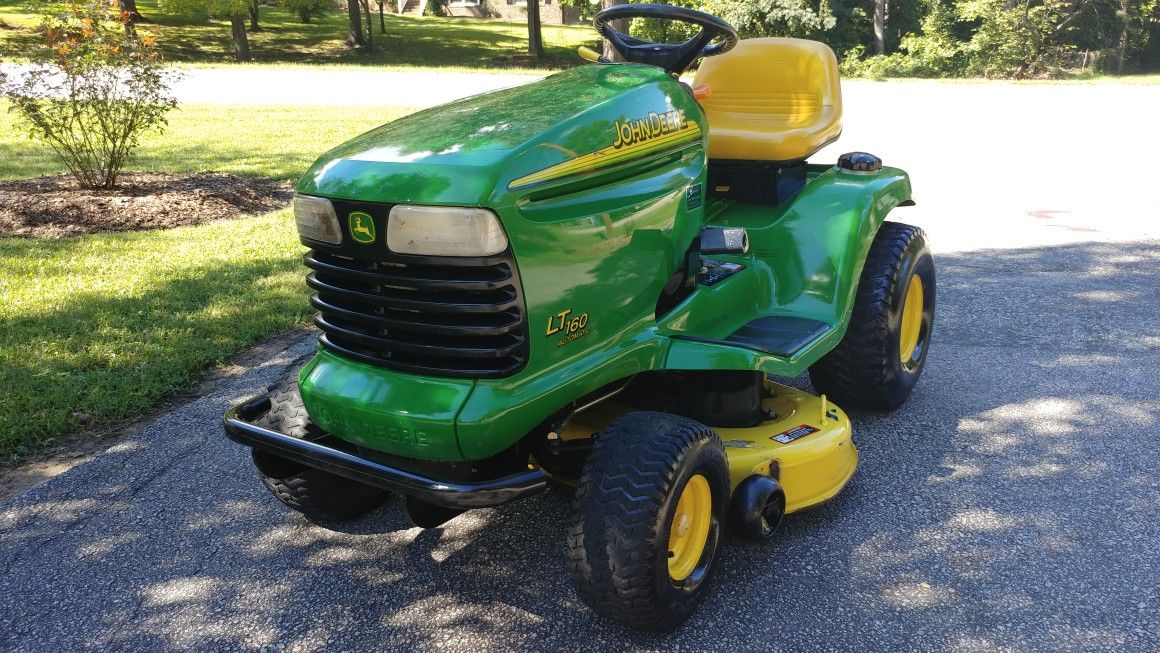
[(1012, 504)]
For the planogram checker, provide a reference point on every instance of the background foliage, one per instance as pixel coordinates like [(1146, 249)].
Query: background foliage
[(916, 38), (951, 38)]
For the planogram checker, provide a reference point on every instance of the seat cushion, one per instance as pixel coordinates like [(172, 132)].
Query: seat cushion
[(771, 99)]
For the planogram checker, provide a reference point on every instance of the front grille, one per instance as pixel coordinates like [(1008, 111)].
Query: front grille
[(443, 316)]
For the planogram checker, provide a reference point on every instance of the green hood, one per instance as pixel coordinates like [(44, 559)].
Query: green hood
[(461, 153)]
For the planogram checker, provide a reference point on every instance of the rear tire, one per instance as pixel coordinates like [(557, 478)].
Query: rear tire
[(884, 350), (319, 495), (648, 516)]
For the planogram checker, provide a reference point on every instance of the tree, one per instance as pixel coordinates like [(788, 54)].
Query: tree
[(366, 9), (535, 41), (129, 8), (354, 34), (238, 35), (92, 91), (880, 26), (809, 19), (1019, 38), (610, 52), (254, 27), (237, 11)]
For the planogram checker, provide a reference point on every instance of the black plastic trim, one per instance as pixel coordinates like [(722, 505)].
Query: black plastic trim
[(414, 282), (780, 335), (434, 306), (512, 325), (459, 369), (450, 494), (403, 346)]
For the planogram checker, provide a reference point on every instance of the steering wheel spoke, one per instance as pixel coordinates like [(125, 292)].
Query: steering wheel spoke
[(673, 57)]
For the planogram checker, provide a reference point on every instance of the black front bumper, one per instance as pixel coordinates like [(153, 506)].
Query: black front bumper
[(450, 494)]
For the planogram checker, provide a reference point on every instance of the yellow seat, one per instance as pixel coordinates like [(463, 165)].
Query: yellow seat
[(771, 99)]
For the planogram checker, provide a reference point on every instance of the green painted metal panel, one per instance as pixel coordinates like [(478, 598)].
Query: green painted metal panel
[(590, 172), (805, 259), (405, 414)]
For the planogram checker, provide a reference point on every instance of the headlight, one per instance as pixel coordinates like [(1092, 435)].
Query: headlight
[(444, 231), (316, 219)]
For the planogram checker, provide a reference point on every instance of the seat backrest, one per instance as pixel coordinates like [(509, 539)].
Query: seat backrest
[(771, 99)]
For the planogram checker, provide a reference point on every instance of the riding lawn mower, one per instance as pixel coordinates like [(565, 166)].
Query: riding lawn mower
[(596, 282)]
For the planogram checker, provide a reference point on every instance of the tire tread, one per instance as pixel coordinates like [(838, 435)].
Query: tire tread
[(613, 535), (319, 495), (855, 373)]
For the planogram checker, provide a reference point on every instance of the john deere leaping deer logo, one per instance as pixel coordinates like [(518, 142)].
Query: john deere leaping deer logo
[(362, 227)]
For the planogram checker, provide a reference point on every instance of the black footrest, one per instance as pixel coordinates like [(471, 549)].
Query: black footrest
[(779, 335)]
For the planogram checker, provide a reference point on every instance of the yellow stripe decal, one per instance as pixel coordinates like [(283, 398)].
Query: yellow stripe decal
[(608, 156)]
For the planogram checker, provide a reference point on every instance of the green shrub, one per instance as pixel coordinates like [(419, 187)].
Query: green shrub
[(92, 90), (308, 10)]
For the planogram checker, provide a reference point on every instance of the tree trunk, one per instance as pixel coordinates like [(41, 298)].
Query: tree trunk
[(354, 35), (1122, 53), (610, 53), (254, 26), (238, 31), (535, 42), (382, 19), (129, 7), (879, 26), (366, 8)]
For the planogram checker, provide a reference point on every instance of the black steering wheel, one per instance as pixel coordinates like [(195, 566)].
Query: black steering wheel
[(673, 57)]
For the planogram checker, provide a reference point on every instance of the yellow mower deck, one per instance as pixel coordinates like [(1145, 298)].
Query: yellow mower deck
[(807, 446)]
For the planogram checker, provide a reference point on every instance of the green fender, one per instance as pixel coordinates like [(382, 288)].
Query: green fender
[(805, 260)]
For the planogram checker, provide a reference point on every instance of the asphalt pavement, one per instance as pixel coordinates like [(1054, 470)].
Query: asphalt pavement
[(1012, 504)]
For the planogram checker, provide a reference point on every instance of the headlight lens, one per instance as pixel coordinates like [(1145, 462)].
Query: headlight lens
[(316, 219), (444, 231)]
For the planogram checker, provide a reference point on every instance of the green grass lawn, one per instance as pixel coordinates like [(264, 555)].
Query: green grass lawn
[(276, 142), (408, 41), (109, 324)]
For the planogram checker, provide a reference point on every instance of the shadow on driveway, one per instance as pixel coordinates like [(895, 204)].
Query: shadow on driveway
[(1010, 505)]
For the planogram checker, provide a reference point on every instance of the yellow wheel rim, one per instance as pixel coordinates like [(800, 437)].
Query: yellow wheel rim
[(912, 308), (690, 529)]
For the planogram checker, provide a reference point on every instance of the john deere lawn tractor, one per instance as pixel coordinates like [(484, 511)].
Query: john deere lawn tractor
[(593, 282)]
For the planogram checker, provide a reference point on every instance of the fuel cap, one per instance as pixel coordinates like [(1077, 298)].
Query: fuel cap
[(859, 162)]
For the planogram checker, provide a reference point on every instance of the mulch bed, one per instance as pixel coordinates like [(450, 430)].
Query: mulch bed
[(53, 207)]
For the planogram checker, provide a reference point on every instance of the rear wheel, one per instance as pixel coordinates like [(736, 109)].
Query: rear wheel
[(882, 355), (318, 495), (647, 519)]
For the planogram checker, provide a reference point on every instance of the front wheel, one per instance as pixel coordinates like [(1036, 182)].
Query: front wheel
[(319, 495), (647, 519), (885, 347)]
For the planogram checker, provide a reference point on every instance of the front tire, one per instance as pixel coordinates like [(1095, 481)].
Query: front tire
[(647, 519), (885, 347), (319, 495)]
